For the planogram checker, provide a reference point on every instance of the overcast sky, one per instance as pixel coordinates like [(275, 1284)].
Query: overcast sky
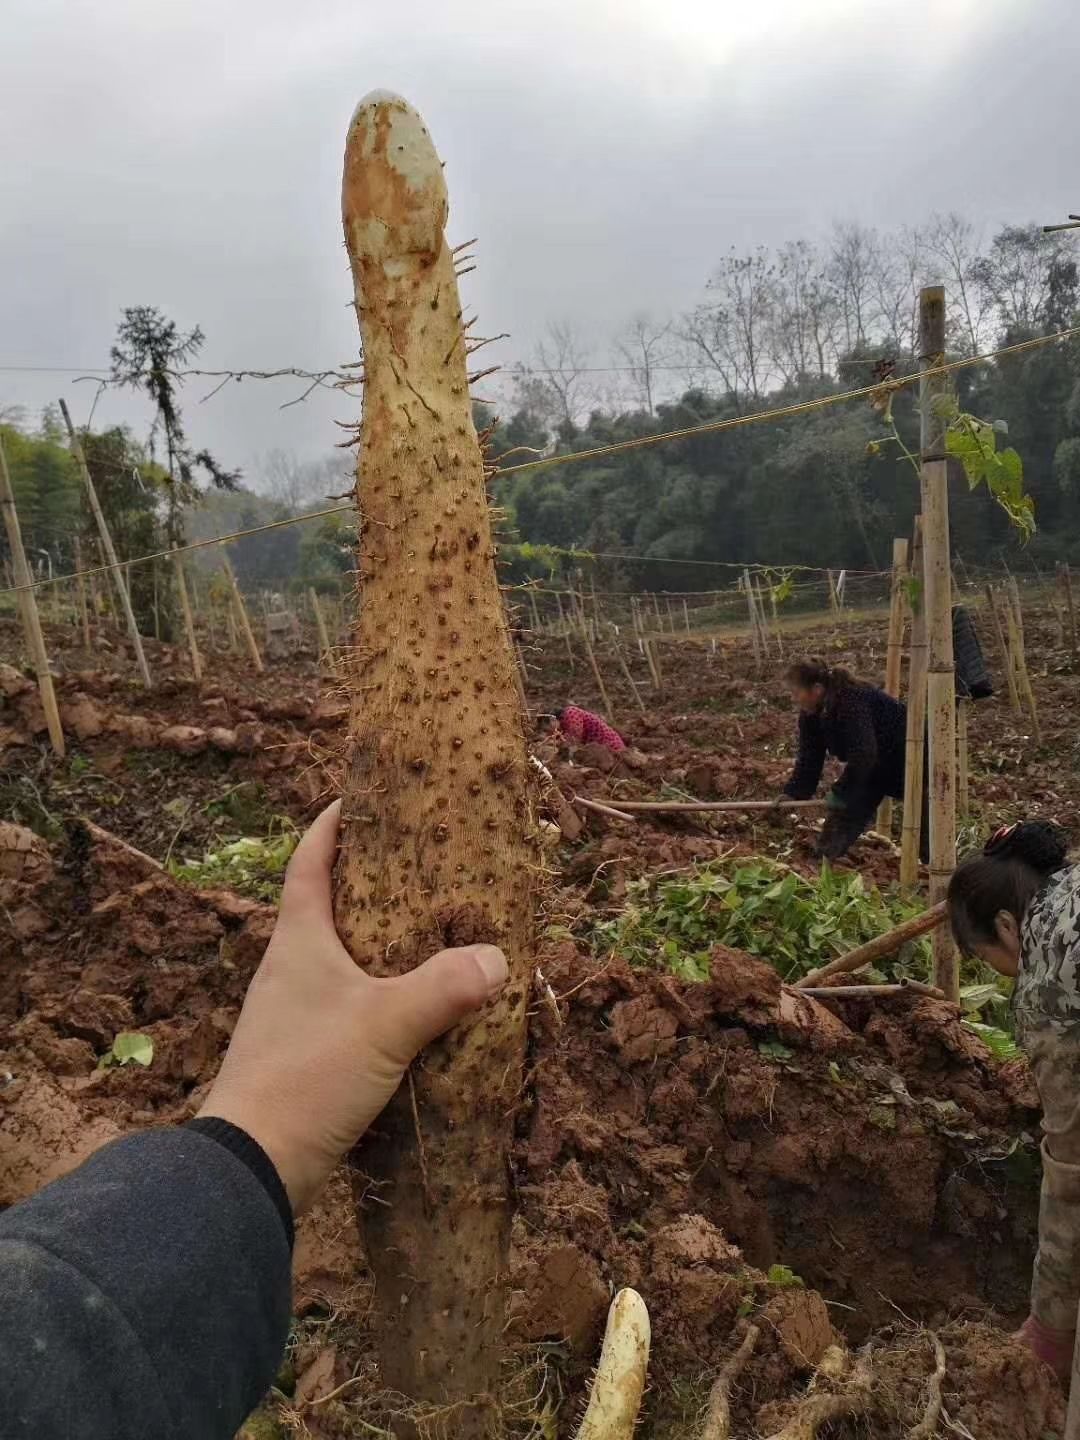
[(187, 153)]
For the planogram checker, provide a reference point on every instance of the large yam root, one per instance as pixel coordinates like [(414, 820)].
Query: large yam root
[(620, 1376), (819, 1407), (717, 1424), (437, 836), (928, 1425)]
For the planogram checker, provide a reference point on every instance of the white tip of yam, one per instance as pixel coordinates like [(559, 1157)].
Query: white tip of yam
[(620, 1376), (393, 194)]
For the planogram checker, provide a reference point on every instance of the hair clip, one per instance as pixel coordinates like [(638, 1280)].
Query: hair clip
[(1001, 837)]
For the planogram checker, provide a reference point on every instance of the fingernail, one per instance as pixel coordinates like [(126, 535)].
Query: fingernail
[(492, 962)]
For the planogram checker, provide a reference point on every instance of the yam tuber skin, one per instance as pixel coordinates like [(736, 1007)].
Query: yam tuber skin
[(437, 824)]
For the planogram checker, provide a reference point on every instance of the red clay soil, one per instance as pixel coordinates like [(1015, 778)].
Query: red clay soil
[(886, 1160)]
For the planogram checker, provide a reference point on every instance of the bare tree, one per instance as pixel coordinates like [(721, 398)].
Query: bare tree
[(643, 346), (854, 256), (562, 362), (802, 335), (730, 331), (954, 246), (296, 484), (1024, 274), (898, 271)]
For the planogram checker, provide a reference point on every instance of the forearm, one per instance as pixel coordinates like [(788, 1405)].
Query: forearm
[(156, 1278)]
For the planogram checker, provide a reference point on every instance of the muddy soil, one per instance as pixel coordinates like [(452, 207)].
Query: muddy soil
[(683, 1138)]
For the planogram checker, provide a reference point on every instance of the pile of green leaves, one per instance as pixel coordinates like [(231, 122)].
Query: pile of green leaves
[(795, 923), (252, 866)]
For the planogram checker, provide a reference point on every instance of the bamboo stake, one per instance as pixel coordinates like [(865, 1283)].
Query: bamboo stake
[(834, 599), (894, 654), (28, 610), (777, 627), (911, 830), (638, 701), (84, 609), (755, 637), (886, 944), (565, 627), (1007, 661), (1066, 576), (535, 612), (653, 658), (590, 655), (242, 615), (189, 623), (1015, 618), (105, 536), (941, 668), (963, 790), (659, 617), (686, 614), (320, 629)]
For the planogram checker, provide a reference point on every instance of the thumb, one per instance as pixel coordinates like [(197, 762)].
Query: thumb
[(436, 996)]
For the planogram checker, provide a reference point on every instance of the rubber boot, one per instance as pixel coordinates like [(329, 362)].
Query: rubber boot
[(1053, 1347), (1055, 1285)]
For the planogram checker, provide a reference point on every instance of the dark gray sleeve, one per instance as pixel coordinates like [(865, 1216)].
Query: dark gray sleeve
[(146, 1293)]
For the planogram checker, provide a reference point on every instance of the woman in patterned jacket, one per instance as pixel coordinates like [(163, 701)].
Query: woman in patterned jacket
[(582, 727), (1017, 907)]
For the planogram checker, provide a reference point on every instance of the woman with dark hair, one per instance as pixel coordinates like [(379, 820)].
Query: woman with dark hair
[(1017, 907), (860, 725)]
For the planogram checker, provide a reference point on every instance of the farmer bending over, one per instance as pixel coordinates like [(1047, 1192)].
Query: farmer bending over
[(582, 727), (858, 724), (149, 1291), (1017, 906)]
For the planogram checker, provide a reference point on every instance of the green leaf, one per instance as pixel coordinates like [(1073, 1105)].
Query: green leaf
[(130, 1047), (774, 1050), (784, 1278), (999, 1042)]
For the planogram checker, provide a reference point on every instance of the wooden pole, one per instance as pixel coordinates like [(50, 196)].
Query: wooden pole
[(834, 599), (716, 807), (887, 944), (911, 830), (963, 789), (535, 612), (1015, 618), (189, 623), (686, 614), (28, 610), (941, 669), (80, 581), (105, 536), (320, 628), (894, 654), (1066, 576), (242, 615)]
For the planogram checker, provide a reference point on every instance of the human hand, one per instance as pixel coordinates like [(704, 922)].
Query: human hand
[(320, 1047)]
